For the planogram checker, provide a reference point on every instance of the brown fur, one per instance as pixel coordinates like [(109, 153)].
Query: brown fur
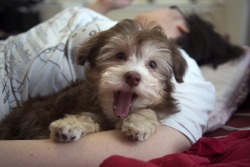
[(32, 119), (81, 108)]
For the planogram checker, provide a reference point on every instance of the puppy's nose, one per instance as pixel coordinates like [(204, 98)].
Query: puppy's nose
[(132, 78)]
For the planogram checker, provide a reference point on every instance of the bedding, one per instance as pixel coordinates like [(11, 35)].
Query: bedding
[(233, 149), (231, 81), (227, 143), (240, 120), (230, 151), (232, 86)]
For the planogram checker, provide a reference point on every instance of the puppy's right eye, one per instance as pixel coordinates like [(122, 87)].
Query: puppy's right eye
[(121, 56), (152, 65)]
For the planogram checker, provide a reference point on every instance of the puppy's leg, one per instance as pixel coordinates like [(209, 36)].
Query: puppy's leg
[(73, 127), (140, 125)]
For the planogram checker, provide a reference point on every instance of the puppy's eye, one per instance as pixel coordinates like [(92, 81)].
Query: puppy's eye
[(152, 64), (121, 56)]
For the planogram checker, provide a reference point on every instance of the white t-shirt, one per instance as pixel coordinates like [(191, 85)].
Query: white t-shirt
[(42, 61)]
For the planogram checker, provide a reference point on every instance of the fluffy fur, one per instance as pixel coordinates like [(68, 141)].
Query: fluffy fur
[(129, 87)]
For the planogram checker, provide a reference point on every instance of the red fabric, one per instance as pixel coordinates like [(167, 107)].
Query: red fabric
[(230, 151)]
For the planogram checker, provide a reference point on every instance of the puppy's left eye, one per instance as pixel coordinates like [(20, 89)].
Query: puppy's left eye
[(152, 64), (121, 56)]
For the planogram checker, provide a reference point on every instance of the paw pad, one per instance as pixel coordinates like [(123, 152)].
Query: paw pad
[(65, 133)]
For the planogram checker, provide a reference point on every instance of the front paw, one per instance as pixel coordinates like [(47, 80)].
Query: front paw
[(139, 127), (63, 131), (73, 127)]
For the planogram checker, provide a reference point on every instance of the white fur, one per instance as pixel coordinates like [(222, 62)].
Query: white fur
[(152, 82), (125, 51)]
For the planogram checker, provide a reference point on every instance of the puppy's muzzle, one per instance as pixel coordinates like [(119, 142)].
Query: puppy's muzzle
[(132, 78)]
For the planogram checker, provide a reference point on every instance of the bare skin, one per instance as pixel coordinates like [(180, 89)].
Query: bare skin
[(104, 6), (171, 20), (91, 150)]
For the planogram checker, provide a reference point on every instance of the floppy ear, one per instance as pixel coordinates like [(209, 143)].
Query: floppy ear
[(179, 63), (90, 49)]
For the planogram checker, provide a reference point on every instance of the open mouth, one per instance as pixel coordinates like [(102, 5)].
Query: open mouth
[(123, 101)]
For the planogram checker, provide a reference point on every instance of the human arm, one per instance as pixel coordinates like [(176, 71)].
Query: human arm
[(105, 6), (90, 150), (171, 20)]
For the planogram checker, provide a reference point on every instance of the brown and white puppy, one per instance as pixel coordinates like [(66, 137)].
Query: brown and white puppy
[(129, 87)]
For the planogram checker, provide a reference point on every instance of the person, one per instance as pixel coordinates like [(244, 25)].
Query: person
[(196, 36), (41, 61)]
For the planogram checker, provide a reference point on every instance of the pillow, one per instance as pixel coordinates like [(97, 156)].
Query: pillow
[(231, 81)]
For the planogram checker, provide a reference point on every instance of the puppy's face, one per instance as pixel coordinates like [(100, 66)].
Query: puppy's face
[(131, 67)]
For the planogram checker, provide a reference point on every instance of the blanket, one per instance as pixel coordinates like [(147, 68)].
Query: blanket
[(230, 151)]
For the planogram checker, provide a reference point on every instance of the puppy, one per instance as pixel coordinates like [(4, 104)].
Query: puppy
[(130, 69)]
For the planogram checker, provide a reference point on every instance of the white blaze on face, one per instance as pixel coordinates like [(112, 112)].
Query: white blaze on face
[(121, 98)]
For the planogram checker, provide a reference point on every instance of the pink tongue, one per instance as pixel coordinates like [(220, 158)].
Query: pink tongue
[(123, 103)]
